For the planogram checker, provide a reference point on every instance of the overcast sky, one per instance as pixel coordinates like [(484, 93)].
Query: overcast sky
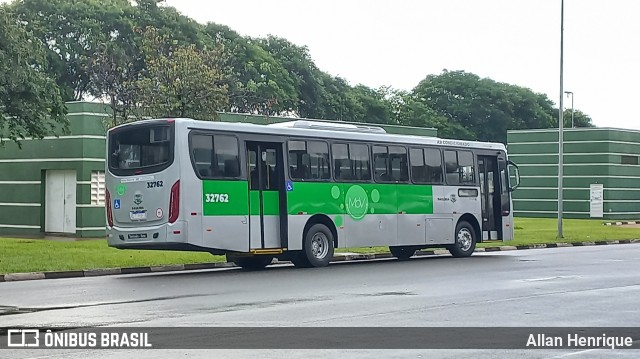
[(400, 42)]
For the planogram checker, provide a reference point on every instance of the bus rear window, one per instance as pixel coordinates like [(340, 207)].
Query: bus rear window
[(146, 148)]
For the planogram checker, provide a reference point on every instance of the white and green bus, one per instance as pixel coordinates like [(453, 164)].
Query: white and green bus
[(298, 190)]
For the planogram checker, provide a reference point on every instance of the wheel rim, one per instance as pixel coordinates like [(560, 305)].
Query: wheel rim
[(319, 245), (465, 239)]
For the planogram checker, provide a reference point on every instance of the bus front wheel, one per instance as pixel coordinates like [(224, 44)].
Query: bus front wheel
[(255, 262), (465, 240), (317, 248)]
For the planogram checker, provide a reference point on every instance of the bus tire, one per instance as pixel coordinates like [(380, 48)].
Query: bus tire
[(465, 240), (403, 253), (253, 263), (317, 247), (300, 260)]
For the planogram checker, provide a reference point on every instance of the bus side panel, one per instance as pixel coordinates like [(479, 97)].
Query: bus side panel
[(364, 214), (415, 203), (306, 199), (508, 224), (371, 214), (190, 195), (225, 208), (451, 204)]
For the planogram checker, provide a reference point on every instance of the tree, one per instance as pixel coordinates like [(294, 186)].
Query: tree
[(372, 105), (180, 81), (485, 108), (73, 31), (305, 74), (258, 83), (113, 74), (76, 30), (30, 101)]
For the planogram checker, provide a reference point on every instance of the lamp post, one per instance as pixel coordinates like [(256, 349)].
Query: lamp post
[(560, 122), (569, 93)]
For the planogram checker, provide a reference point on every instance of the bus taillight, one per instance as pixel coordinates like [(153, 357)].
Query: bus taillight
[(174, 202), (109, 213)]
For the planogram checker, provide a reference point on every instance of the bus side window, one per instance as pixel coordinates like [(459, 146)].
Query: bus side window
[(226, 163), (359, 156), (418, 169), (381, 164), (341, 165), (316, 158), (398, 164), (215, 156), (433, 165), (308, 160), (459, 167)]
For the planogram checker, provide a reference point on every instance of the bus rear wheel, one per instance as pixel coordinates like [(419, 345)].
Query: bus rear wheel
[(317, 247), (403, 253), (465, 237), (254, 262)]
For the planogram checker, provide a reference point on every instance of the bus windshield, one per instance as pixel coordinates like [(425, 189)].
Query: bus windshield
[(146, 148)]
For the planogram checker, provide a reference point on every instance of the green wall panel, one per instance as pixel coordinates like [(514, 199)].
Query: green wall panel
[(19, 193), (591, 156), (88, 217), (20, 215)]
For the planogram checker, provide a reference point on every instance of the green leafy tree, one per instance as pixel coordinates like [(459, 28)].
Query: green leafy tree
[(30, 101), (371, 105), (485, 108), (258, 83), (338, 99), (180, 81), (113, 75), (580, 119), (304, 72), (73, 31)]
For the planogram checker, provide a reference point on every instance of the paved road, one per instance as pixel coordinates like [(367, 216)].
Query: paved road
[(578, 287)]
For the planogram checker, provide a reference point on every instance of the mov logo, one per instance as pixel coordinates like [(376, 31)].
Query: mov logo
[(357, 202)]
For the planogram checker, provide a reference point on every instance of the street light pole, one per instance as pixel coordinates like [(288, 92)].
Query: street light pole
[(571, 93), (561, 122)]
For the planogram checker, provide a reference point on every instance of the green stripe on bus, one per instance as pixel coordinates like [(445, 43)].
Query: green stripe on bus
[(270, 203), (225, 198), (358, 200)]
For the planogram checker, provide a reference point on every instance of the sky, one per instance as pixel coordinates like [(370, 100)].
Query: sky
[(398, 43)]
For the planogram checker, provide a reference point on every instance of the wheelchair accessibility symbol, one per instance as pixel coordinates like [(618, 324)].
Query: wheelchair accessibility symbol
[(289, 186), (116, 204)]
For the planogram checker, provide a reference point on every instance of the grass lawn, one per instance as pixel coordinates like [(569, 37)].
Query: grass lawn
[(39, 255), (36, 255)]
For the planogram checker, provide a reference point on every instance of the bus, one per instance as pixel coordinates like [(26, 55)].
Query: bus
[(298, 190)]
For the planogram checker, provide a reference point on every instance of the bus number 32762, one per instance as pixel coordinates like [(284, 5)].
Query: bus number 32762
[(217, 197)]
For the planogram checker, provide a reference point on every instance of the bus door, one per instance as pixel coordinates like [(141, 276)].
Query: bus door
[(490, 197), (267, 195)]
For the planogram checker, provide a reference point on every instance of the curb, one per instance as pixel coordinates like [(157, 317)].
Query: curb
[(620, 223), (14, 277)]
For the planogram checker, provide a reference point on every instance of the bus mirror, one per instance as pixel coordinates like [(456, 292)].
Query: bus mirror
[(514, 173)]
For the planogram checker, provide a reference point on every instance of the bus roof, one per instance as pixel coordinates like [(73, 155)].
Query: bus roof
[(323, 130)]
